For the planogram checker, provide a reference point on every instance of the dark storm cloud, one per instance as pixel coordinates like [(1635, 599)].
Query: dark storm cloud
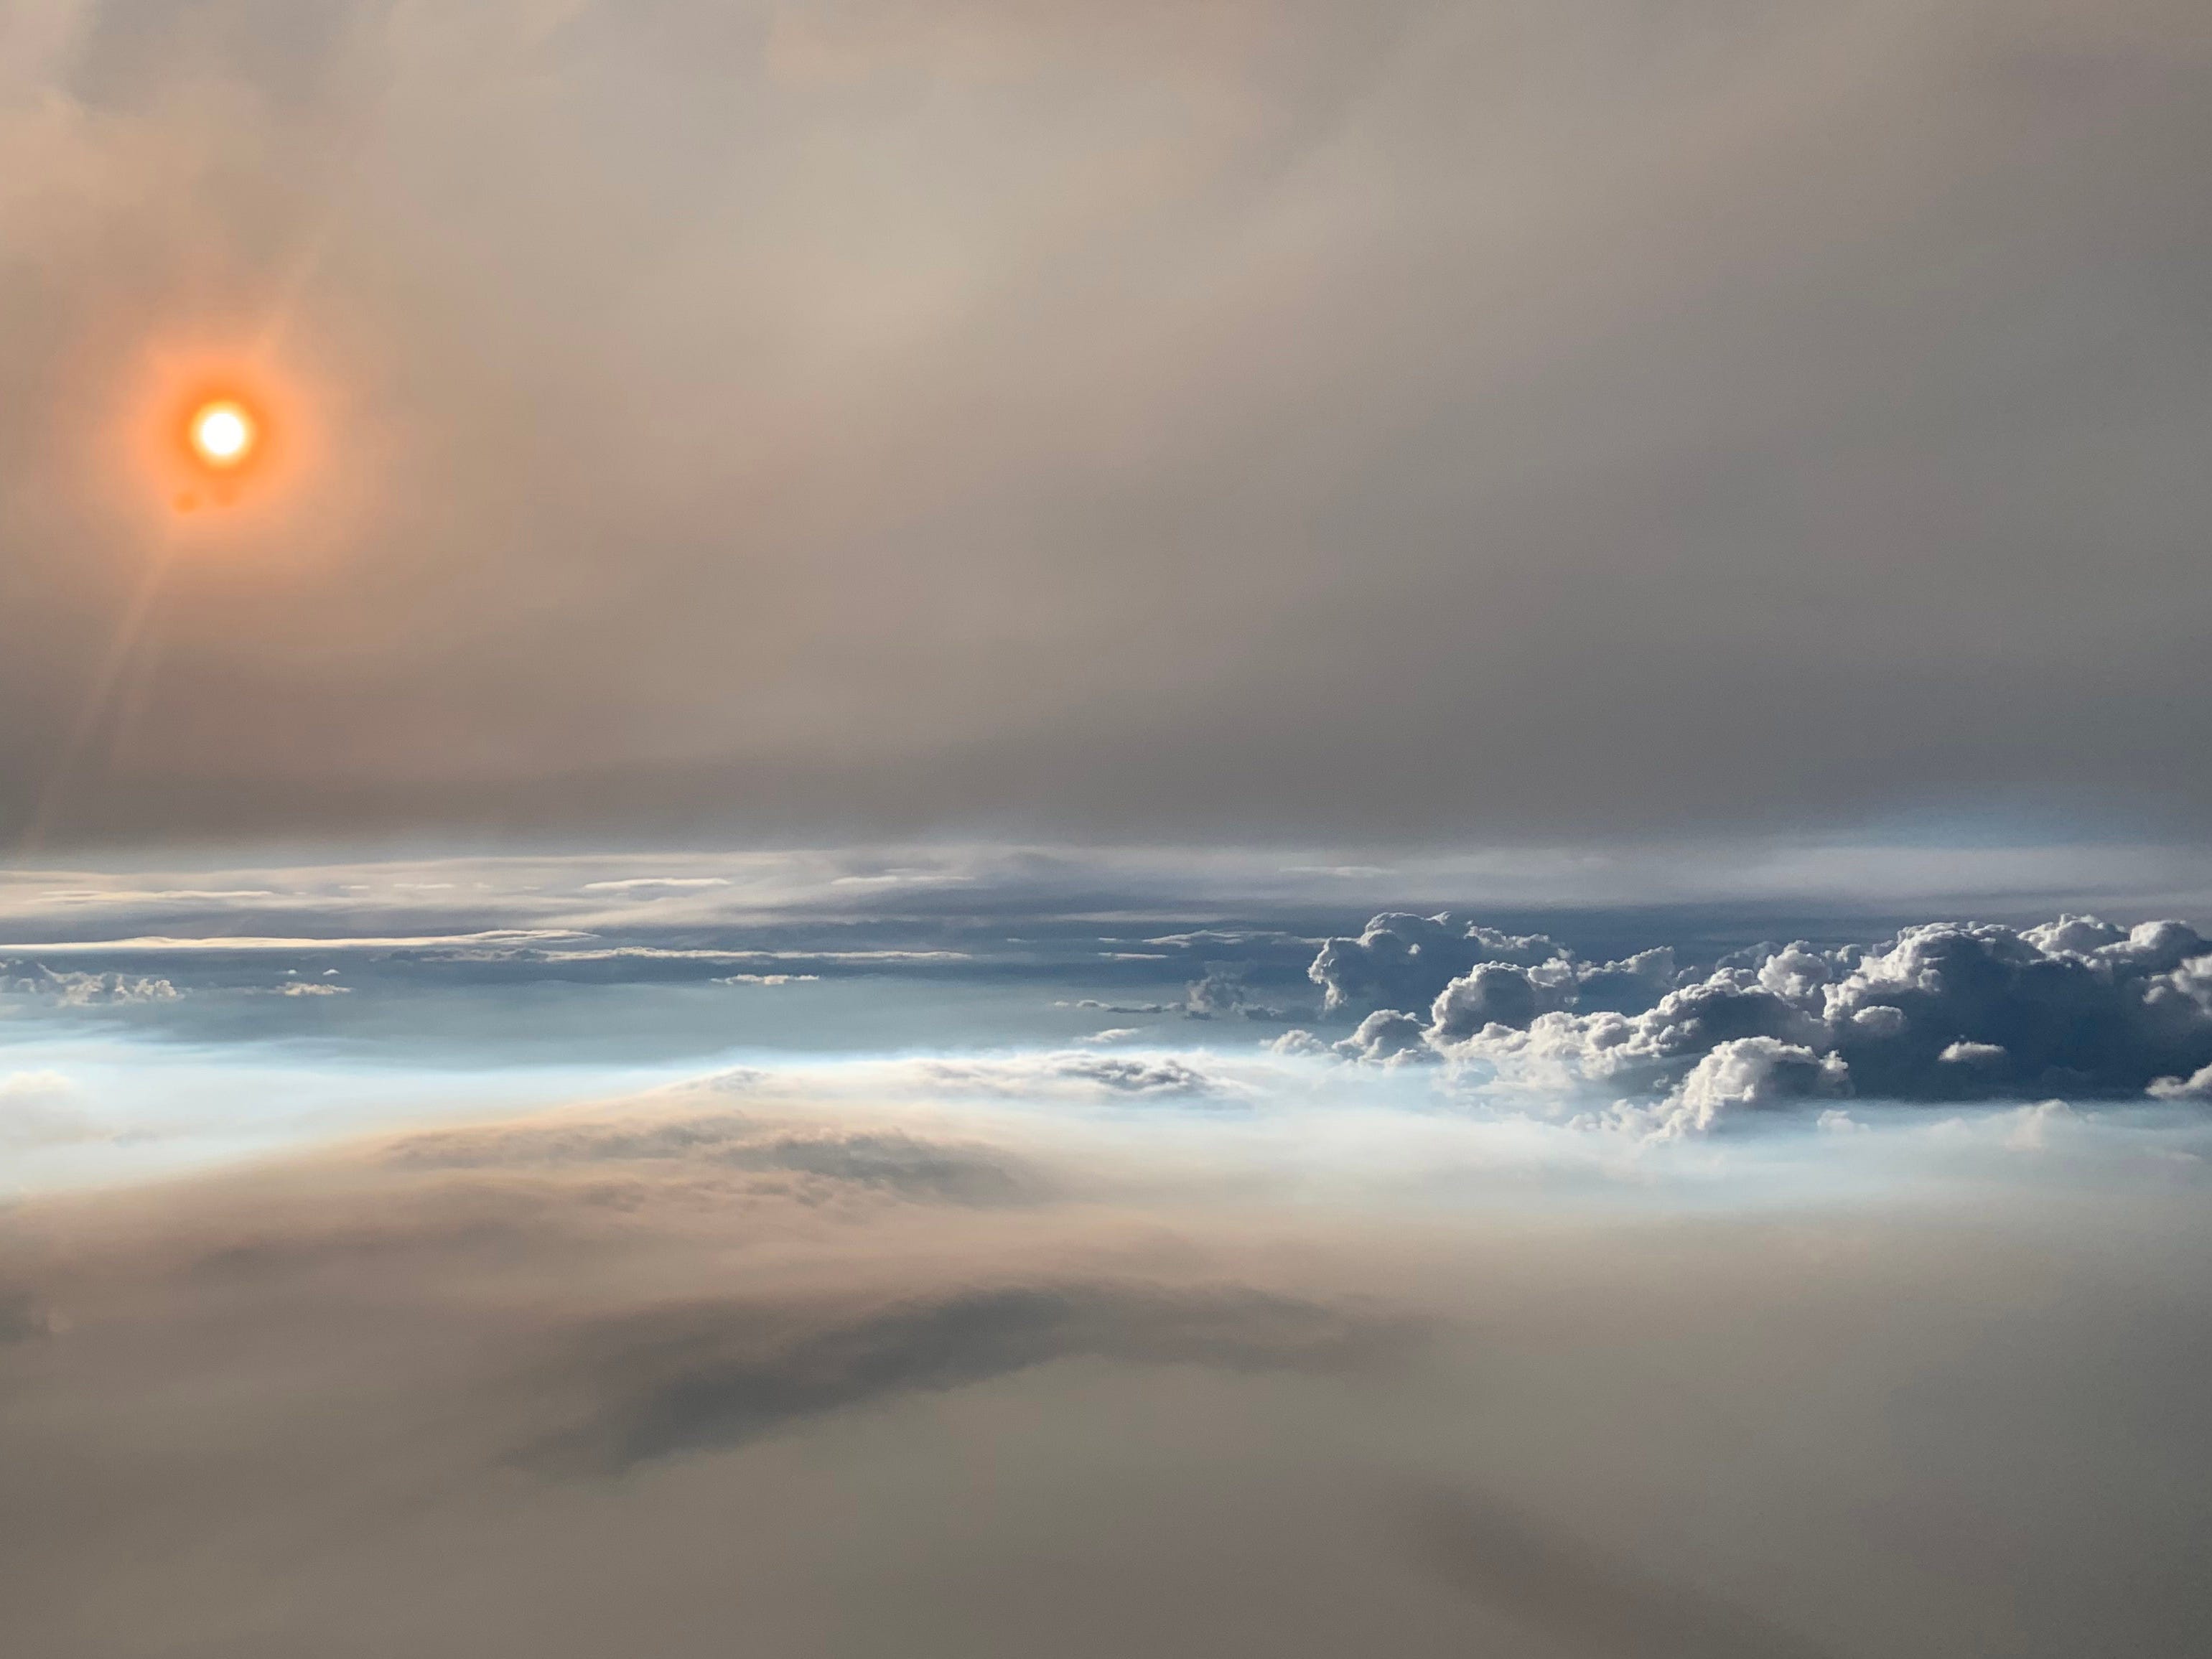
[(1403, 421)]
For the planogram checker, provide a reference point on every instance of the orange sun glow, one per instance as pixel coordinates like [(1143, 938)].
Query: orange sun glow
[(223, 433)]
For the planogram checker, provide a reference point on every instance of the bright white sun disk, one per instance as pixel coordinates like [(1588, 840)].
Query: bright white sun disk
[(223, 433)]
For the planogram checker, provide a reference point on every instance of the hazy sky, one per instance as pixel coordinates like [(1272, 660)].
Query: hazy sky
[(1448, 675), (1135, 421)]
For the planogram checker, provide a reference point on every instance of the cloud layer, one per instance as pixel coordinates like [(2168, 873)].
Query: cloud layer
[(822, 1375), (1085, 979)]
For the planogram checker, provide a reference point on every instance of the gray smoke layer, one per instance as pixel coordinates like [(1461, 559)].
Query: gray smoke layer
[(809, 1378)]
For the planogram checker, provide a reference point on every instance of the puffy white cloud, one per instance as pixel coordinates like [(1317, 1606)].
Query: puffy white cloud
[(1494, 993), (1973, 1053), (2199, 1087), (1401, 959), (1748, 1074), (1405, 960), (2076, 1007), (1880, 1020), (1388, 1038), (1943, 1010)]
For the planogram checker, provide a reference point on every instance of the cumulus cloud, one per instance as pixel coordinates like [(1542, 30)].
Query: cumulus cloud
[(1943, 1010), (1745, 1074), (80, 990), (2197, 1087), (1401, 960), (1405, 960), (1968, 1054), (1385, 1037)]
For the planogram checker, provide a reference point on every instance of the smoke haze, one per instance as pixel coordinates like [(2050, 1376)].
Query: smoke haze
[(832, 418)]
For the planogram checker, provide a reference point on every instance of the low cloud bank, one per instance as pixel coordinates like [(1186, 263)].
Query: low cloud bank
[(808, 1375), (2077, 1008)]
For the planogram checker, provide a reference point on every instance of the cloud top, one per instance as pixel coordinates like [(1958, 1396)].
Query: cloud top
[(1941, 1012)]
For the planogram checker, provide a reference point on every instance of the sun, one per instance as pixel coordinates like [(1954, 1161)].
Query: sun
[(223, 433), (221, 430)]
